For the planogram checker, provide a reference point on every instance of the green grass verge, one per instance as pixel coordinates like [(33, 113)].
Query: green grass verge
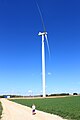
[(68, 107), (0, 110)]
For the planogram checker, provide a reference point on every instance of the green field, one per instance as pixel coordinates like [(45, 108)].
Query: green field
[(67, 107), (0, 110)]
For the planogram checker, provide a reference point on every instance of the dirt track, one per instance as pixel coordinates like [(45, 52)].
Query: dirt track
[(14, 111)]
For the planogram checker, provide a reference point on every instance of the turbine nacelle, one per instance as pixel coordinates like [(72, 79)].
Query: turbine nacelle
[(42, 33)]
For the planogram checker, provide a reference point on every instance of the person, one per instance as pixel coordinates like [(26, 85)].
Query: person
[(33, 109)]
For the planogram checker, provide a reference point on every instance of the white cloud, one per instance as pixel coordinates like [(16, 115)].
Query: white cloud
[(49, 73), (29, 91)]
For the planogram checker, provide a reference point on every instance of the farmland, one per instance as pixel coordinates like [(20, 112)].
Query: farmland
[(67, 107), (0, 109)]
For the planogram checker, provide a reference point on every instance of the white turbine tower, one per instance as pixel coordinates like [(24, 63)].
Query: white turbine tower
[(43, 34), (44, 37)]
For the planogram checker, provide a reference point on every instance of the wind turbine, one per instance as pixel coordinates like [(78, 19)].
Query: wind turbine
[(44, 38)]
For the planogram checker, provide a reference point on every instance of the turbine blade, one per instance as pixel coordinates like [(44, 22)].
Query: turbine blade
[(47, 44), (41, 16)]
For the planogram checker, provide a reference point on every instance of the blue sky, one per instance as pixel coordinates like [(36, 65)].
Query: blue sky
[(20, 46)]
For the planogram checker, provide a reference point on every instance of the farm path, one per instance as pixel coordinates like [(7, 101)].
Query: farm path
[(14, 111)]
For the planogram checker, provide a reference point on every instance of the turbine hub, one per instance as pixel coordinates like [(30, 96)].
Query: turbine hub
[(42, 33)]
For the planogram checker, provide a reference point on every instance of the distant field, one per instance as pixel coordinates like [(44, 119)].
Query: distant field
[(67, 107), (0, 110)]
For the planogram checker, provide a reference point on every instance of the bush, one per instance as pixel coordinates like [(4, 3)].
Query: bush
[(0, 110), (75, 93), (61, 94)]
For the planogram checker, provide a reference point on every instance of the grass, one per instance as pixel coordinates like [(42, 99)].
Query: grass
[(0, 110), (67, 107)]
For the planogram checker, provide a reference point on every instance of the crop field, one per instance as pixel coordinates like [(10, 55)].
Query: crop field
[(0, 110), (67, 107)]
